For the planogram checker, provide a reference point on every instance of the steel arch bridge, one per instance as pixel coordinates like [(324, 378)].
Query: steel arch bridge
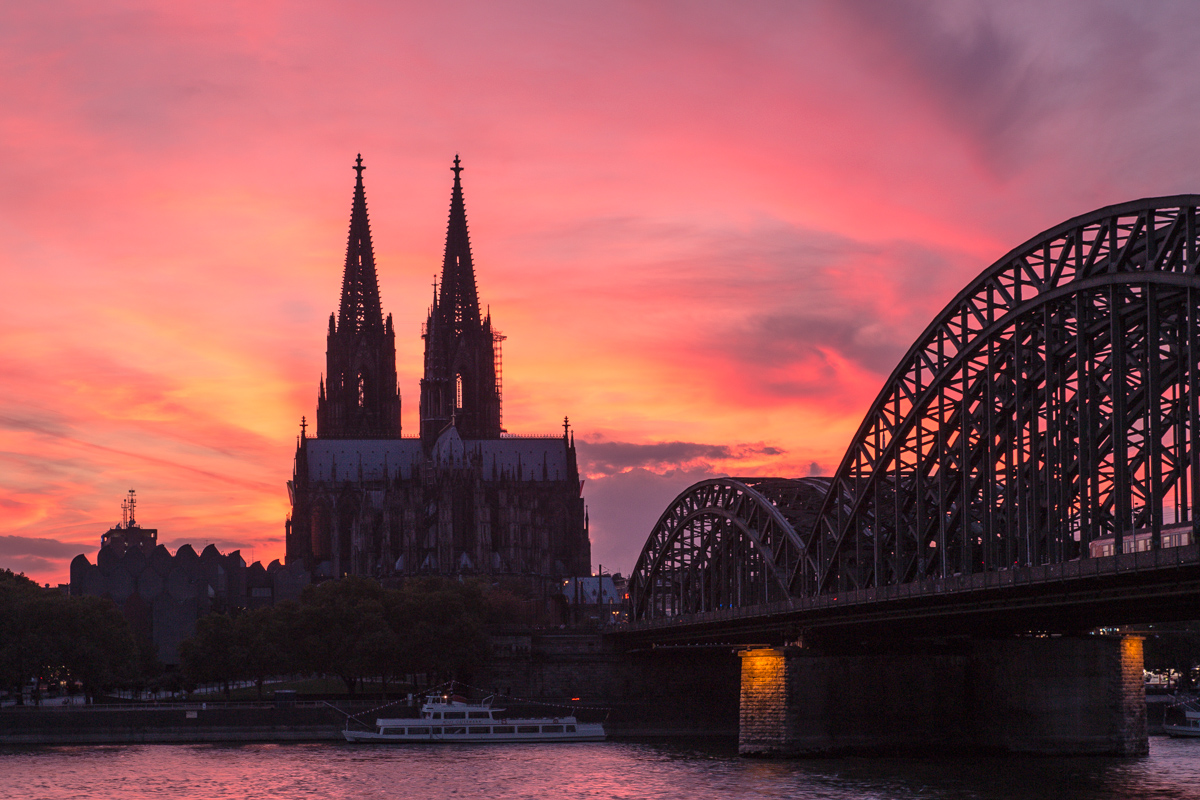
[(1048, 415)]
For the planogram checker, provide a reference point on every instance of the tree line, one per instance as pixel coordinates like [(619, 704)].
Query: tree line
[(430, 629), (46, 636)]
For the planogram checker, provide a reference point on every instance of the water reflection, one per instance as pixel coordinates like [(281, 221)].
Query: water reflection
[(693, 769)]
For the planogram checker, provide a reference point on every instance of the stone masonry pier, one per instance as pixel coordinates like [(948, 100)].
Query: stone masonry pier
[(1058, 695)]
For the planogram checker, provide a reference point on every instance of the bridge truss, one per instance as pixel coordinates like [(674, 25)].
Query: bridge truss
[(1051, 404)]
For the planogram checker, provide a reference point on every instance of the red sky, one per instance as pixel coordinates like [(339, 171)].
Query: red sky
[(708, 230)]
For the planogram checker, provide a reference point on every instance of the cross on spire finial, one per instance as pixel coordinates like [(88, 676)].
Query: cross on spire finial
[(456, 168), (358, 167)]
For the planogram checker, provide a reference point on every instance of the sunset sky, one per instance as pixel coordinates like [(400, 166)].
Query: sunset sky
[(708, 230)]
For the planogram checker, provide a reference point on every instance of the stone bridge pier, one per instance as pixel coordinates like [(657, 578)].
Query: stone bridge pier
[(1046, 695)]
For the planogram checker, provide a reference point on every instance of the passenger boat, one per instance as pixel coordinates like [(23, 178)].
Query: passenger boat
[(453, 719), (1190, 725)]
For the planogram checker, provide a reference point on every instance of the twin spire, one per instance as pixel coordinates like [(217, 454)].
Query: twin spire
[(360, 310), (457, 306), (360, 399)]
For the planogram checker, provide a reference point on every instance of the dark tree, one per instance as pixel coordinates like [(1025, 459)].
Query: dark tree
[(25, 628), (45, 634), (99, 648), (212, 655), (266, 643), (346, 633), (440, 626)]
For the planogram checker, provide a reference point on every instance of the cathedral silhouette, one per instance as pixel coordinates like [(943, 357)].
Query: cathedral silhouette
[(463, 497)]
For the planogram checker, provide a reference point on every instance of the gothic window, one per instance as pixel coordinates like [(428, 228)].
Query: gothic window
[(458, 391), (362, 391)]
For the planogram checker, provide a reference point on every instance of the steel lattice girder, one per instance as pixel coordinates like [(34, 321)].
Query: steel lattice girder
[(724, 542), (1052, 402)]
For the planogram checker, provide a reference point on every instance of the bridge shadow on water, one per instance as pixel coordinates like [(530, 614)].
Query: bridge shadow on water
[(1171, 771)]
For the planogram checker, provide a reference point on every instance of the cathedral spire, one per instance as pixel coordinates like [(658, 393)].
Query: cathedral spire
[(458, 305), (360, 310), (460, 387), (359, 398)]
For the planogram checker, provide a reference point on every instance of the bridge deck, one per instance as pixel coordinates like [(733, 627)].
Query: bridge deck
[(1147, 586)]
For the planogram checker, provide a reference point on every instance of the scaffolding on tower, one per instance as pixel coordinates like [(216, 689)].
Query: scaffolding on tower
[(497, 339)]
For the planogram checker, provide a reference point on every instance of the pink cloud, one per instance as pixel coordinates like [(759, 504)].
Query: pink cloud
[(696, 224)]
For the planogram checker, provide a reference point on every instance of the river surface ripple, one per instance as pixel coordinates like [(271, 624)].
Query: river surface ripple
[(577, 771)]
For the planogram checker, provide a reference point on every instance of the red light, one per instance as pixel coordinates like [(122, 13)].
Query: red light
[(574, 698)]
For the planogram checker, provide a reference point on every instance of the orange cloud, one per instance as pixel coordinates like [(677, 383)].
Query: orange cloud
[(696, 224)]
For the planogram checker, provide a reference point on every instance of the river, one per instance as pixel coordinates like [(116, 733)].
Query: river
[(576, 771)]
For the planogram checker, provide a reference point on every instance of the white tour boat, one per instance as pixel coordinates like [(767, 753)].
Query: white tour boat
[(1189, 727), (453, 719)]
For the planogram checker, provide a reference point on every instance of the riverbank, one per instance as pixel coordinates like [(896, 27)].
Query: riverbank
[(172, 723), (213, 722), (183, 723)]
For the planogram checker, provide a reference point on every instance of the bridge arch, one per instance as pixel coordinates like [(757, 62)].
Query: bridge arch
[(724, 542), (1051, 407), (1051, 404)]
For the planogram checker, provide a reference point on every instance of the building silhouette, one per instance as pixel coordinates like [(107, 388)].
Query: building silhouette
[(461, 498), (163, 595)]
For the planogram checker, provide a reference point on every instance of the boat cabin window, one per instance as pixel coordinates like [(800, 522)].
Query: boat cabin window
[(570, 729), (502, 729), (479, 715), (527, 729), (552, 729), (449, 731), (418, 731), (437, 715), (456, 715), (479, 729)]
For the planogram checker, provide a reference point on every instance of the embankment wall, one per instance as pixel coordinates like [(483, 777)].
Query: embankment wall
[(172, 724), (645, 693)]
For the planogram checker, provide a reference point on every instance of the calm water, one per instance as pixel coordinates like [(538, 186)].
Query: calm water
[(610, 770)]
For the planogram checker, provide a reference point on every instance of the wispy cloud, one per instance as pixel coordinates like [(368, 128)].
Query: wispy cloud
[(709, 232), (49, 549), (599, 458)]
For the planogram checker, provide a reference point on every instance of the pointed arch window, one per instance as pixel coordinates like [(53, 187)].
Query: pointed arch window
[(362, 391), (458, 391)]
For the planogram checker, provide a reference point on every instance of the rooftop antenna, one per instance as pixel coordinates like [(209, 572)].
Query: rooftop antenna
[(132, 523)]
